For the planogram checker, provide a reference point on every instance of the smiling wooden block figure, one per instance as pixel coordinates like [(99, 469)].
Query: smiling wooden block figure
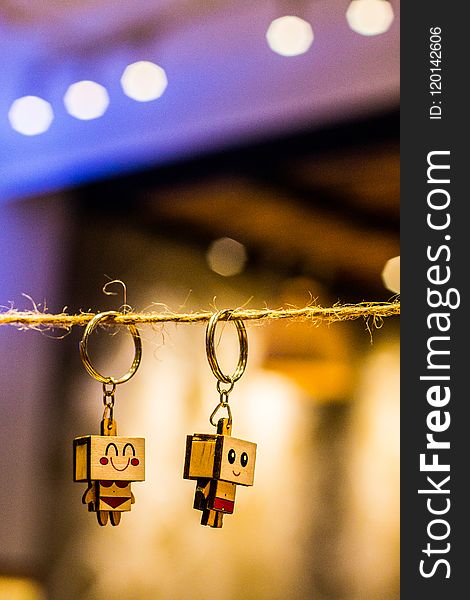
[(219, 463), (108, 464)]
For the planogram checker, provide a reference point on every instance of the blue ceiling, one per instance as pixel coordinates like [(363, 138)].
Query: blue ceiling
[(225, 85)]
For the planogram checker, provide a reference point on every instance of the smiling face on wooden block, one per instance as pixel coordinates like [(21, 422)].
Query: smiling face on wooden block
[(235, 460), (109, 458), (220, 457)]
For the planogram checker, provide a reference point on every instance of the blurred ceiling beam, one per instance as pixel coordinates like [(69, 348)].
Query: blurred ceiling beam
[(278, 225)]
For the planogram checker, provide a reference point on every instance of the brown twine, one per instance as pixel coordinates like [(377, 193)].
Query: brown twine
[(372, 312)]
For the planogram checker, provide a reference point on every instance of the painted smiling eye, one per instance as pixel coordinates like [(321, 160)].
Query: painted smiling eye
[(244, 459), (106, 483), (104, 460), (134, 462), (231, 456), (131, 448), (109, 448), (122, 484)]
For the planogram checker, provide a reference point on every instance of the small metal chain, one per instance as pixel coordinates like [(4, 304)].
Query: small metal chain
[(108, 401)]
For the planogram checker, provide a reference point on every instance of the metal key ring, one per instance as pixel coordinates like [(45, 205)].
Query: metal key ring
[(210, 347), (86, 359)]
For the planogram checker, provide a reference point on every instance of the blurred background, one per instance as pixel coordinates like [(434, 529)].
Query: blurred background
[(208, 155)]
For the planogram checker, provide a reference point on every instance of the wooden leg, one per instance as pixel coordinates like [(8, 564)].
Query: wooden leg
[(213, 518), (115, 518), (102, 517), (202, 491)]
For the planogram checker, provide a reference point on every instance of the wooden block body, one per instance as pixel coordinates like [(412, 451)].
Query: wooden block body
[(215, 495), (220, 457), (108, 458), (221, 496), (114, 495), (109, 496)]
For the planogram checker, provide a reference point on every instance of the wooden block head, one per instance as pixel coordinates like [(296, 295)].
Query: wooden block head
[(109, 458), (199, 460), (220, 457), (235, 460)]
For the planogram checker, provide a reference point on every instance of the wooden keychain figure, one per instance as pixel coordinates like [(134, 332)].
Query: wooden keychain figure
[(218, 462), (108, 462)]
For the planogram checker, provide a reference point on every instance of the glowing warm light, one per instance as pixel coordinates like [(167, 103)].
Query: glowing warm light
[(370, 17), (271, 399), (391, 274), (86, 100), (19, 588), (373, 470), (30, 115), (289, 36), (144, 81), (226, 257)]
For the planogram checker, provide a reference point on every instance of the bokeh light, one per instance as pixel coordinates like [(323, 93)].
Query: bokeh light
[(226, 257), (86, 100), (289, 36), (370, 17), (391, 274), (30, 115), (144, 81)]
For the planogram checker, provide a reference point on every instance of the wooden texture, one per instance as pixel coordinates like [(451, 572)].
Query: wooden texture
[(200, 453), (115, 518), (224, 426), (114, 497), (103, 516), (215, 495), (207, 457), (80, 459), (221, 496), (108, 499), (109, 495), (213, 518), (108, 427), (228, 447), (201, 494), (218, 462), (90, 495), (109, 458)]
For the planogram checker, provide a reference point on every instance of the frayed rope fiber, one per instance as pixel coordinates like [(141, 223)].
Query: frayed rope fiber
[(374, 311)]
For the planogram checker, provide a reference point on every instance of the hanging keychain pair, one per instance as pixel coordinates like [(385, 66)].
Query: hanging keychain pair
[(108, 463)]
